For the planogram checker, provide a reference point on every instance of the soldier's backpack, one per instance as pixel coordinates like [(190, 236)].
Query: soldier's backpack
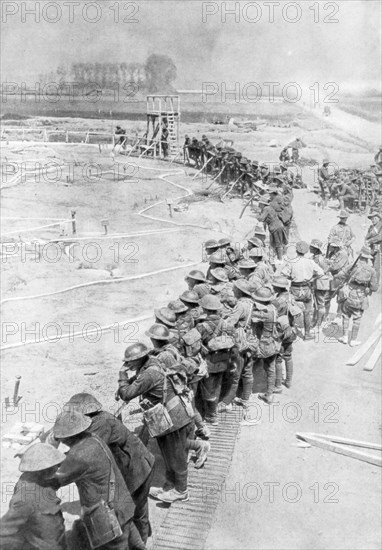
[(362, 275), (192, 341)]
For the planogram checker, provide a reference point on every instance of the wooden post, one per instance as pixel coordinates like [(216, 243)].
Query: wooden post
[(16, 390), (73, 214), (105, 224), (169, 204)]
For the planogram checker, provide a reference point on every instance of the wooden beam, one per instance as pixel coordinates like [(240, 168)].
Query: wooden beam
[(365, 347), (347, 441), (374, 357), (340, 449)]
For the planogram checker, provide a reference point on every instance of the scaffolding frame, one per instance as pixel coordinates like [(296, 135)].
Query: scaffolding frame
[(162, 111)]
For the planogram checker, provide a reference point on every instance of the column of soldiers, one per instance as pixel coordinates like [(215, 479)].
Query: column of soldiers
[(206, 348)]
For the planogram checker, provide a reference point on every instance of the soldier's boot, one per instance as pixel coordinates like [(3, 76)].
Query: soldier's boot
[(289, 372), (201, 454), (266, 397), (279, 376), (173, 495), (320, 318), (345, 330), (307, 325), (354, 333)]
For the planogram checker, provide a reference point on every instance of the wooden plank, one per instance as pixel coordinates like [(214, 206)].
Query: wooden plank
[(365, 347), (342, 450), (374, 358), (347, 441)]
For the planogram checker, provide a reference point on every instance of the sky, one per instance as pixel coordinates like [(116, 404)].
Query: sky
[(343, 44)]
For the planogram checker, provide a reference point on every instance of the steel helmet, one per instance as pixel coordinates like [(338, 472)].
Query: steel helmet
[(70, 423), (135, 351), (84, 403), (259, 230), (220, 274), (280, 282), (211, 303), (336, 243), (243, 286), (158, 332), (218, 258), (256, 252), (255, 241), (224, 242), (166, 316), (264, 199), (302, 247), (316, 243), (211, 245), (40, 456), (343, 214), (263, 294), (178, 306), (196, 275), (190, 297), (246, 264)]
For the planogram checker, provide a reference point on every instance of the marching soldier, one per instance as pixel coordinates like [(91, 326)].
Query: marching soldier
[(343, 232), (287, 310), (217, 346), (322, 286), (149, 386), (191, 300), (278, 239), (374, 240), (361, 284), (34, 520), (302, 272), (240, 318), (91, 466), (264, 317), (184, 319), (163, 350), (222, 288)]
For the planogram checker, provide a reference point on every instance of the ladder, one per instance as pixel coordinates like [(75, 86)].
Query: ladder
[(172, 135)]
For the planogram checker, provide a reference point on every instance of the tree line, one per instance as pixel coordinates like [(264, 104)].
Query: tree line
[(156, 75)]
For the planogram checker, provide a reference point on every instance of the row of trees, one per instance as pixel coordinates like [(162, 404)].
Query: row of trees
[(156, 75)]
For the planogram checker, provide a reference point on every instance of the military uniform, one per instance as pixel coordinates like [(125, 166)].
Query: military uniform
[(301, 273), (278, 238), (149, 385), (322, 289), (282, 303), (374, 240), (34, 520), (363, 281), (88, 463), (134, 461), (343, 233)]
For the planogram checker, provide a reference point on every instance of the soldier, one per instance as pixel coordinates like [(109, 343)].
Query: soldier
[(362, 283), (302, 272), (264, 317), (217, 259), (164, 351), (210, 330), (166, 317), (324, 181), (191, 298), (186, 147), (240, 318), (286, 312), (262, 270), (123, 139), (91, 466), (374, 240), (210, 247), (343, 232), (34, 520), (196, 281), (278, 239), (247, 268), (347, 192), (222, 288), (338, 262), (254, 242), (284, 155), (322, 287), (134, 460), (149, 385), (184, 319)]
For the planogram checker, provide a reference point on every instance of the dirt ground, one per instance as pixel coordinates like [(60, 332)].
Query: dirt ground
[(52, 371)]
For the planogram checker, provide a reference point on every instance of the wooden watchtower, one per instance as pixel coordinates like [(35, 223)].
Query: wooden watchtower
[(163, 115)]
